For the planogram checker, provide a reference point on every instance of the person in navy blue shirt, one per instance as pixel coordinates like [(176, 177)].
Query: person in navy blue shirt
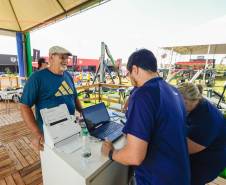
[(48, 88), (155, 129), (206, 135), (125, 106)]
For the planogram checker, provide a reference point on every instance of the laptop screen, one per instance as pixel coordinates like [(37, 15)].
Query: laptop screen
[(95, 115)]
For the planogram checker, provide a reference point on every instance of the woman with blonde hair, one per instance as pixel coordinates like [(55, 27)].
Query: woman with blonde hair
[(206, 135)]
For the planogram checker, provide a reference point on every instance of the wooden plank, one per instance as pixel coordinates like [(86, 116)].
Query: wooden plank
[(17, 178), (13, 132), (10, 136), (24, 152), (15, 125), (9, 180), (2, 152), (114, 85), (34, 156), (18, 155), (84, 87), (6, 171), (89, 99), (13, 157), (110, 100), (28, 141), (30, 168), (7, 119), (3, 156), (33, 176), (36, 181), (5, 162), (2, 182), (18, 125)]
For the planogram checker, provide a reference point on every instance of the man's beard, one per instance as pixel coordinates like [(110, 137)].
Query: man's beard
[(63, 67)]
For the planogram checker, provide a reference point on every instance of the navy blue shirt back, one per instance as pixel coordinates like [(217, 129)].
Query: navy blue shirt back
[(207, 127), (45, 89), (156, 114)]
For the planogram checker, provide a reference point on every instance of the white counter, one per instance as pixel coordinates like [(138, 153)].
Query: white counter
[(59, 168)]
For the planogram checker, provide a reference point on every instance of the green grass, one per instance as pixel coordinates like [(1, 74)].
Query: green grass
[(84, 105)]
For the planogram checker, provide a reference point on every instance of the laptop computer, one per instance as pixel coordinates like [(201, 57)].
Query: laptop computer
[(99, 124)]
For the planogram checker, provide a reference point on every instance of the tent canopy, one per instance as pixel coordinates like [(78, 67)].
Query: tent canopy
[(198, 49), (26, 15), (197, 40)]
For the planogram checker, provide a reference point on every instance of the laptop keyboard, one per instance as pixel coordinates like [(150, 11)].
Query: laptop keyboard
[(109, 129)]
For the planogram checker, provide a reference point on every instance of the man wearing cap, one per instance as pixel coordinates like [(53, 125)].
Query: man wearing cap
[(48, 88), (155, 129)]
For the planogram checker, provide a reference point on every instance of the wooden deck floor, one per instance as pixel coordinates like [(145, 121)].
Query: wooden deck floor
[(19, 162)]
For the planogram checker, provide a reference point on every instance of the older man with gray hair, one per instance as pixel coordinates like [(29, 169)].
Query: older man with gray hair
[(48, 88)]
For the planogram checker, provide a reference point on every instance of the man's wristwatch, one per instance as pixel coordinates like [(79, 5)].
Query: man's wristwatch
[(110, 154)]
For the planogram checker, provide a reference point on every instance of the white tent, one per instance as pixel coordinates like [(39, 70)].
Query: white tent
[(210, 36)]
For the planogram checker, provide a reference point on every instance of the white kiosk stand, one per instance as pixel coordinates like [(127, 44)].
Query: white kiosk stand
[(62, 161)]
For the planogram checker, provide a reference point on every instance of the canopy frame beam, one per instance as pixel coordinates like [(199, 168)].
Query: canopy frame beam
[(206, 64), (61, 6), (15, 14)]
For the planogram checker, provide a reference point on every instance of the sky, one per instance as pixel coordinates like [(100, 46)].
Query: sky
[(124, 25)]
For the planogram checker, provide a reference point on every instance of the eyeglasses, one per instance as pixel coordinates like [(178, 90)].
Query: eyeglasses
[(63, 57)]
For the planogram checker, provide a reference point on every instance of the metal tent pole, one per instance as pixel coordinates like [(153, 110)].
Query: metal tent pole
[(171, 58), (206, 65), (102, 57)]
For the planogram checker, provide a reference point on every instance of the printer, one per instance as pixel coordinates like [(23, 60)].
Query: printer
[(60, 130)]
